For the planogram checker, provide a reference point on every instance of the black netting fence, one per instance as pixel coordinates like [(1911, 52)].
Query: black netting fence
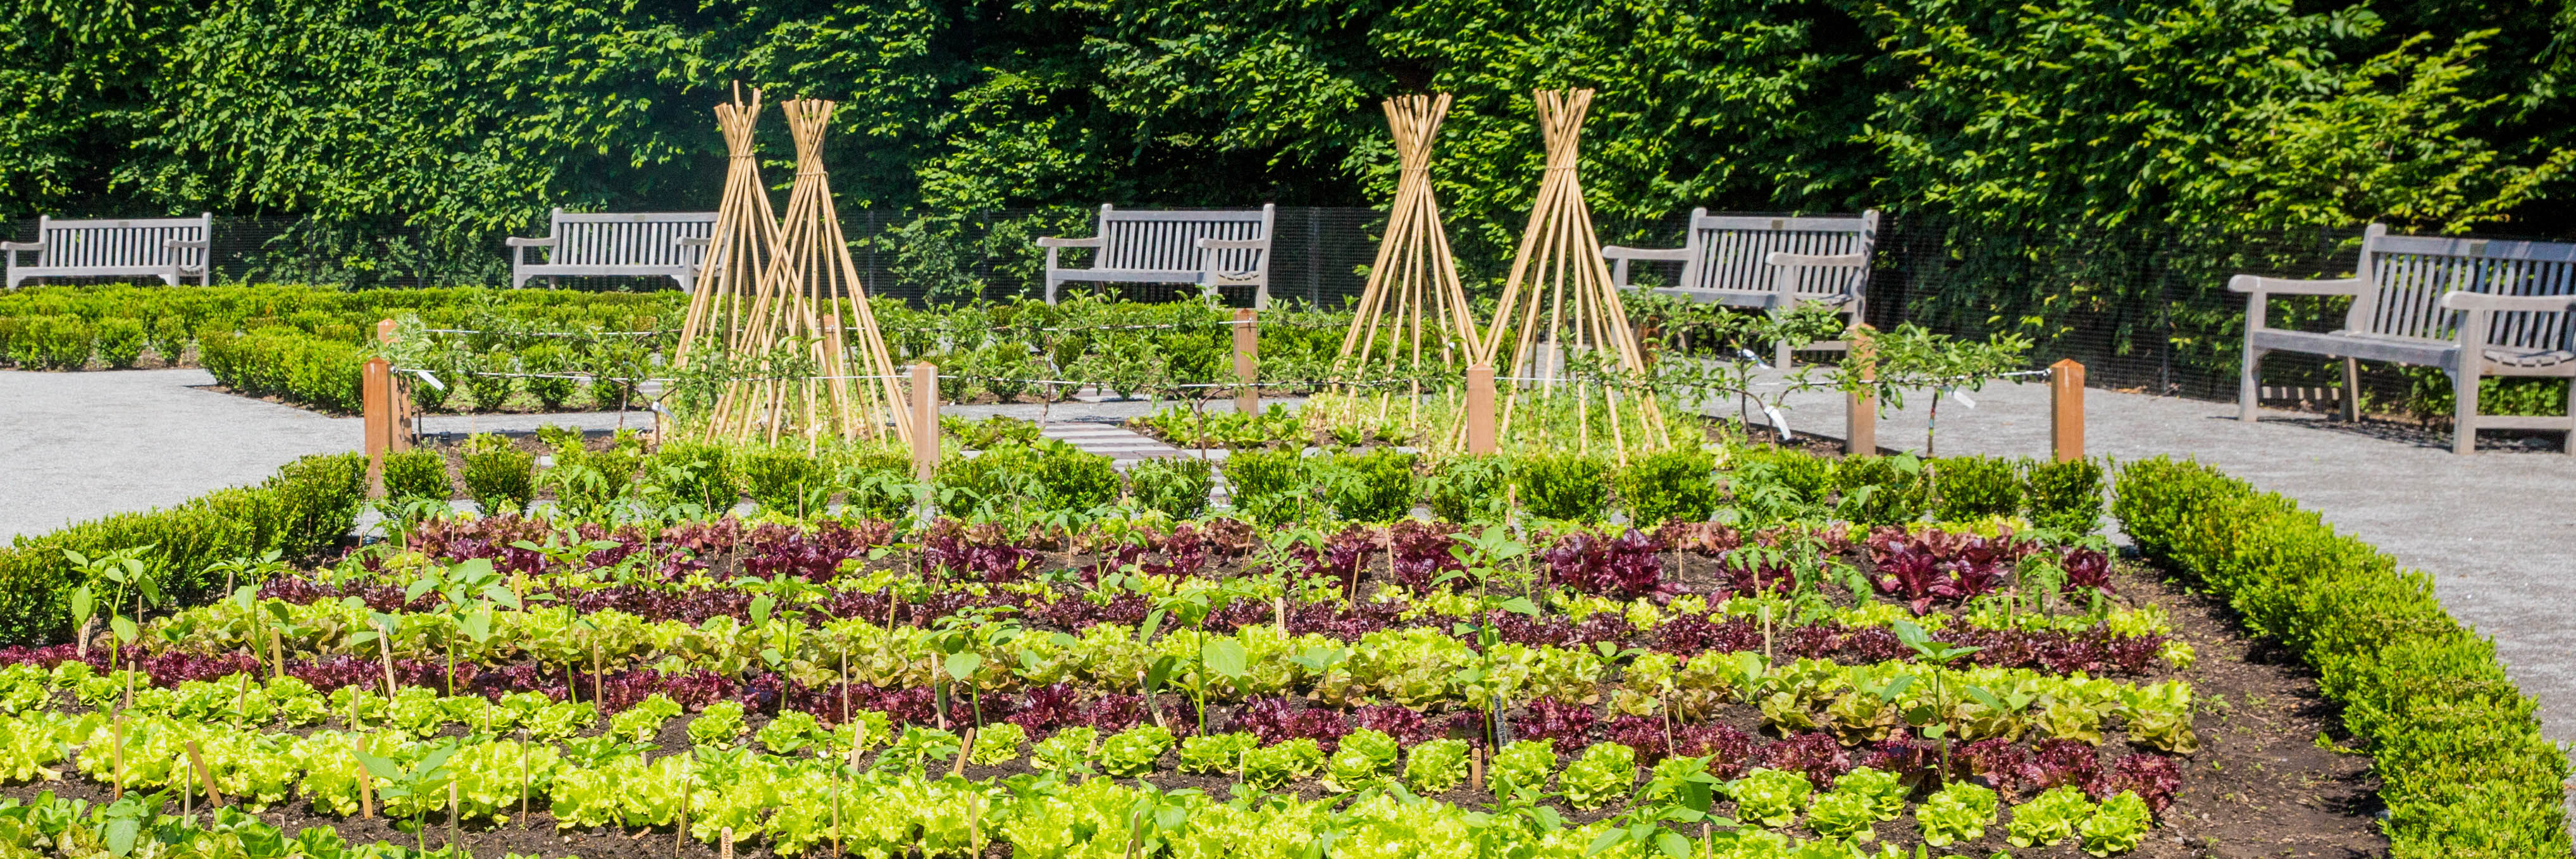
[(2143, 308)]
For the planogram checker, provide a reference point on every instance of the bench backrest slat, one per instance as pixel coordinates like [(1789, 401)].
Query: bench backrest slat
[(1733, 251), (1134, 240), (128, 243), (629, 238), (2407, 276)]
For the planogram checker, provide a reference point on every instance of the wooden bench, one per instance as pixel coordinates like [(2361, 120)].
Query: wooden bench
[(1770, 263), (1211, 248), (618, 244), (2472, 307), (171, 249)]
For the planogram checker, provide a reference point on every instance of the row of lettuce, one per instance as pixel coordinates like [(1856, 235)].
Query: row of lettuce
[(1019, 476)]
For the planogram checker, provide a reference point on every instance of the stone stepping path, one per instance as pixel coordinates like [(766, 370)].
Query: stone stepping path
[(1111, 440)]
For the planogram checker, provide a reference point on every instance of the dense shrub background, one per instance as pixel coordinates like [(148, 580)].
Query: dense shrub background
[(475, 116)]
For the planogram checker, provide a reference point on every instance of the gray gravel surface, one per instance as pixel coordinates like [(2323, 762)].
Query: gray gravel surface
[(77, 446)]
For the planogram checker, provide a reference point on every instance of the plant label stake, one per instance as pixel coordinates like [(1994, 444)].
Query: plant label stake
[(366, 795), (197, 762)]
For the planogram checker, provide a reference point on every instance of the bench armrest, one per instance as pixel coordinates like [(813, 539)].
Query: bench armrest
[(22, 246), (2459, 300), (516, 242), (176, 244), (693, 241), (1234, 244), (1664, 254), (1054, 242), (1784, 258), (2296, 286)]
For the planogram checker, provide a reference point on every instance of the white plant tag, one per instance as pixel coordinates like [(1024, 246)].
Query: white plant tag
[(1778, 422)]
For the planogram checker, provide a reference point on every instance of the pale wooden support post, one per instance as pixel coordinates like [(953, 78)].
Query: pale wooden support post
[(2351, 390), (377, 403), (2066, 409), (1247, 362), (1860, 417), (1480, 408), (925, 421)]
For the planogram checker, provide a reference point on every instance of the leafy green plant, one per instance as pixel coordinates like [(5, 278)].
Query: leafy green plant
[(1436, 766), (997, 743), (1215, 754), (2117, 826), (1470, 488), (1365, 758), (1268, 486), (489, 380), (1975, 487), (1069, 751), (1524, 763), (1835, 814), (783, 479), (1176, 486), (2066, 496), (1562, 486), (169, 338), (1132, 752), (1603, 772), (52, 343), (1669, 486), (693, 474), (642, 722), (1770, 797), (791, 731), (498, 475), (2048, 818), (1959, 811), (1071, 478), (120, 342), (1882, 490), (1274, 766), (552, 382), (1376, 486), (416, 473)]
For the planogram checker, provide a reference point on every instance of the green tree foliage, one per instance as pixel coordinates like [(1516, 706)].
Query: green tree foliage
[(471, 117)]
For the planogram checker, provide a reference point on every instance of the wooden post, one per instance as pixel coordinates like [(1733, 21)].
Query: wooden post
[(376, 396), (1860, 417), (2066, 409), (1247, 362), (1480, 408), (925, 421), (386, 332)]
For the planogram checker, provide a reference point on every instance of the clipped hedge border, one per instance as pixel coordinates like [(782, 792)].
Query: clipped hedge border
[(303, 509), (2464, 768)]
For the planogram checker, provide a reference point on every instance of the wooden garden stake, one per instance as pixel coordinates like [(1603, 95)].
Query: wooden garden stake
[(925, 421), (809, 287), (116, 756), (597, 671), (1860, 408), (1247, 362), (1476, 767), (455, 815), (1413, 317), (1558, 272), (958, 766), (524, 778), (2066, 409), (745, 237), (726, 851), (366, 794), (385, 656), (276, 656)]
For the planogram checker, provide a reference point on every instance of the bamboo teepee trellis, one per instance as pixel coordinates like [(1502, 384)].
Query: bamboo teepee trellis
[(1414, 298), (745, 233), (1559, 270), (795, 351)]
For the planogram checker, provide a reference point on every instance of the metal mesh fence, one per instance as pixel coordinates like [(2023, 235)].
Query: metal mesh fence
[(2143, 308)]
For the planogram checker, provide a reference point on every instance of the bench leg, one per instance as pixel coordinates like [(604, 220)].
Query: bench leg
[(2570, 447), (2464, 423), (2351, 390), (2249, 380)]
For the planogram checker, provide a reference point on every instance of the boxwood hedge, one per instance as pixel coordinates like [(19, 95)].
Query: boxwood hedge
[(2465, 770)]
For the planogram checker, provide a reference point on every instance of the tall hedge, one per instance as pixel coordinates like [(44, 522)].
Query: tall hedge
[(2466, 772), (301, 511)]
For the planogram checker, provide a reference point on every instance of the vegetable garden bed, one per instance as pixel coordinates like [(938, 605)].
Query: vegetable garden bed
[(1122, 683)]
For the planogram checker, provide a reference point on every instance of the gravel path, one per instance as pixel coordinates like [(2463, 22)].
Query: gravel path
[(2495, 530)]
